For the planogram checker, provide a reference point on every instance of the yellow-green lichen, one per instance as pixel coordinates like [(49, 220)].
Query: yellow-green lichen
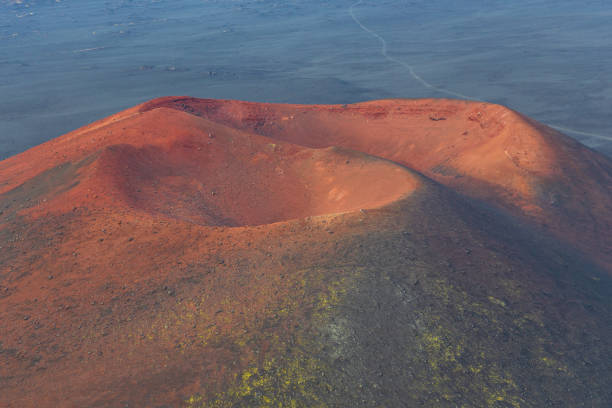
[(291, 375), (454, 370), (296, 382)]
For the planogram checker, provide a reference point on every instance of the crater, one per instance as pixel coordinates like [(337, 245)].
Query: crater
[(218, 176)]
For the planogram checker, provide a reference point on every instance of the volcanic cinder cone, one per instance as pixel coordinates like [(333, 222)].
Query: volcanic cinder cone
[(397, 253)]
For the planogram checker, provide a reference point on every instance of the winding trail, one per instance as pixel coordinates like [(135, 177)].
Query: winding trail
[(425, 83)]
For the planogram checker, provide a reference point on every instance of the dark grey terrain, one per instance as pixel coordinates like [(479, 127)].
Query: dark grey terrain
[(65, 63)]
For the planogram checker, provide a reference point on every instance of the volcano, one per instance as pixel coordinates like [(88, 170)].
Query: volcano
[(399, 253)]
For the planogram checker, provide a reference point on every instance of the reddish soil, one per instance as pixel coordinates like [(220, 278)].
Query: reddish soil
[(169, 163), (163, 255), (482, 150)]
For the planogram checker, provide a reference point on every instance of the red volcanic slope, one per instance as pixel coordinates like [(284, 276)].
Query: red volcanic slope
[(482, 150), (228, 177), (201, 252)]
